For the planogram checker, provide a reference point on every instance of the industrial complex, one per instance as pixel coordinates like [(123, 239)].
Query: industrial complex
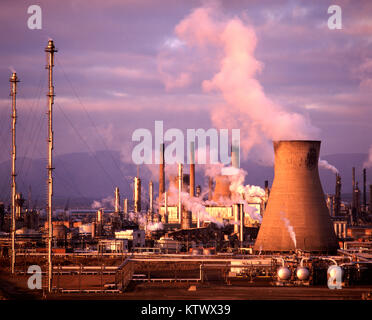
[(288, 234)]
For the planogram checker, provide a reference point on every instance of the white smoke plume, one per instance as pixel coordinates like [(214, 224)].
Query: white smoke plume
[(212, 170), (244, 194), (108, 202), (290, 229), (368, 162), (141, 219), (195, 205), (250, 193), (326, 165), (227, 44)]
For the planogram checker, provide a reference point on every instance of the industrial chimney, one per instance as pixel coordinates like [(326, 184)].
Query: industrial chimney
[(151, 197), (192, 169), (161, 175), (117, 201), (125, 208), (365, 190), (370, 199), (180, 180), (296, 216), (137, 194), (337, 198)]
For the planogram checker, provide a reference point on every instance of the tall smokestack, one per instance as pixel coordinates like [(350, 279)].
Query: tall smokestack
[(50, 50), (117, 201), (192, 169), (238, 212), (13, 92), (99, 221), (161, 174), (210, 186), (337, 205), (296, 216), (365, 189), (166, 207), (125, 206), (370, 199), (151, 195), (137, 194), (353, 202), (357, 201), (180, 180)]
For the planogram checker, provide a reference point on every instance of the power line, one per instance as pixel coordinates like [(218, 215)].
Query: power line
[(90, 119), (86, 144)]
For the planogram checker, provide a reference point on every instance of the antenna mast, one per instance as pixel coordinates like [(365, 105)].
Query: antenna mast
[(50, 50), (13, 91)]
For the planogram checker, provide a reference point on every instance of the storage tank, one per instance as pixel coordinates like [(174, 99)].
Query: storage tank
[(296, 215)]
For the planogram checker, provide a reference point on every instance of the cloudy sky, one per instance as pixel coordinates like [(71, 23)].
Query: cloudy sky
[(273, 69)]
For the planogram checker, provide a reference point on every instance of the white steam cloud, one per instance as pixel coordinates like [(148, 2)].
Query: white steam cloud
[(108, 202), (141, 219), (290, 229), (326, 165), (228, 44)]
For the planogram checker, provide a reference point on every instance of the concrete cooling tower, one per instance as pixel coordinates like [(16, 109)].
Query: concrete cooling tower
[(222, 188), (296, 215)]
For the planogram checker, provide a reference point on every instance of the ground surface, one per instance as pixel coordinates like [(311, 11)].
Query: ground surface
[(15, 287)]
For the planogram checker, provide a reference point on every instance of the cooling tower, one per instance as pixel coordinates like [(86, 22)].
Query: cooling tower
[(296, 215), (222, 188)]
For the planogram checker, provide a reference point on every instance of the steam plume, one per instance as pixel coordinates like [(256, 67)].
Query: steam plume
[(107, 202), (326, 165), (289, 228), (229, 44)]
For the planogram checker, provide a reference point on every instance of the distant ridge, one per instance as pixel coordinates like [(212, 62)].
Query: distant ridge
[(80, 177)]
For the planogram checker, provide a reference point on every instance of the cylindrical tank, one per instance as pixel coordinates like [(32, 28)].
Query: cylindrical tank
[(284, 273), (296, 215), (302, 273), (186, 219)]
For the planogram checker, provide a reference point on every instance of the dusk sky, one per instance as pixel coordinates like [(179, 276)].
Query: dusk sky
[(273, 69)]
